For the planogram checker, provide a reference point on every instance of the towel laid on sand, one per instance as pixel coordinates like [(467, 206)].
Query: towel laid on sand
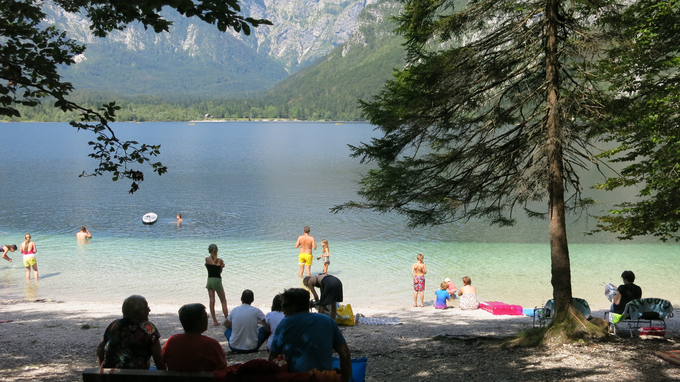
[(377, 321), (672, 356)]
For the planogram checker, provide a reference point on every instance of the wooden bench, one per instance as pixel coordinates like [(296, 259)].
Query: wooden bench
[(132, 375)]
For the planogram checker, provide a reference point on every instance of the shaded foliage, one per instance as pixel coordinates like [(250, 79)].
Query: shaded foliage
[(642, 68)]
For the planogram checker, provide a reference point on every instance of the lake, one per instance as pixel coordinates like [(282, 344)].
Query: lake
[(250, 188)]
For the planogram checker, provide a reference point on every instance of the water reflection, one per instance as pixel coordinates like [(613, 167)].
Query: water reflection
[(31, 291)]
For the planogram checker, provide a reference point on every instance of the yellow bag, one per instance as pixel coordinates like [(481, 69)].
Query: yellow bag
[(345, 316)]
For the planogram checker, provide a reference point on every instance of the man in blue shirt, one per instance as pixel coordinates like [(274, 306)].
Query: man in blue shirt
[(307, 340)]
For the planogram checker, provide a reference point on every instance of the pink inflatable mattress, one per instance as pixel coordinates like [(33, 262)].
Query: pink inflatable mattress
[(500, 308)]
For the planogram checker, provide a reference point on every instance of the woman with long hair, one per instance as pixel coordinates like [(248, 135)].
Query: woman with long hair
[(28, 251)]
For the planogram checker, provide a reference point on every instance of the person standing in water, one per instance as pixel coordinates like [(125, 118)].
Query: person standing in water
[(325, 254), (83, 234), (306, 244), (179, 220), (418, 271), (28, 251), (215, 265)]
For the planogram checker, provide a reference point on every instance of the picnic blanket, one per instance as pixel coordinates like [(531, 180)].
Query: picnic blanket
[(376, 320), (672, 356)]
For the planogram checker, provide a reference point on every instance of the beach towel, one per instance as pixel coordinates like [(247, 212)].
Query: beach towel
[(672, 356), (377, 321), (635, 309), (5, 321)]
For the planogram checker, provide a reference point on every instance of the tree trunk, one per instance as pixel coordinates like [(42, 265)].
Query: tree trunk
[(559, 250)]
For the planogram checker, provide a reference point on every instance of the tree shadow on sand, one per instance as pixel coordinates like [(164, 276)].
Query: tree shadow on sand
[(446, 347)]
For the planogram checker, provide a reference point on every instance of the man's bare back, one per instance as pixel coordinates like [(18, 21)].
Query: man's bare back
[(306, 243)]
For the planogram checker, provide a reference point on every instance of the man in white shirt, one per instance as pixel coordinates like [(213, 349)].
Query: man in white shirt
[(242, 324)]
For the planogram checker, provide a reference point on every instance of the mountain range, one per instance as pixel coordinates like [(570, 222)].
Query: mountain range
[(196, 60)]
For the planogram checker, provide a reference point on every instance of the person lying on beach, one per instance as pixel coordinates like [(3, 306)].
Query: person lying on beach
[(192, 351), (131, 341), (468, 295), (442, 295), (8, 248), (83, 234)]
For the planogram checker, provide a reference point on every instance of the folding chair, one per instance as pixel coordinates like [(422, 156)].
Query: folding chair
[(640, 311), (545, 314)]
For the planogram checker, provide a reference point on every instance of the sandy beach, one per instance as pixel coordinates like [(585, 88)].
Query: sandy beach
[(55, 341)]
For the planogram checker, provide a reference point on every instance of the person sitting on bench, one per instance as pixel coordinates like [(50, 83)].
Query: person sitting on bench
[(131, 341), (192, 351), (242, 324)]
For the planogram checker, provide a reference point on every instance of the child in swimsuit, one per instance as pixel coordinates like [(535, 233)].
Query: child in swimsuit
[(418, 271), (8, 248), (442, 295), (326, 255), (451, 288)]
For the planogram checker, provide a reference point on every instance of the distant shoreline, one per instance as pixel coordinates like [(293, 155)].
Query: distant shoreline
[(218, 121)]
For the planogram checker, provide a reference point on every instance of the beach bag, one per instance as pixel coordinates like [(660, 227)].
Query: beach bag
[(345, 316)]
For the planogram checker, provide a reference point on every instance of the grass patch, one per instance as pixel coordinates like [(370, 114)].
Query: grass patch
[(53, 326), (85, 327), (529, 337)]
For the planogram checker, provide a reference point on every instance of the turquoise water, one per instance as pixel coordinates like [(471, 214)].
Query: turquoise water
[(250, 188)]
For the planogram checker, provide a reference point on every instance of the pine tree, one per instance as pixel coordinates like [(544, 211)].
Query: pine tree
[(487, 117)]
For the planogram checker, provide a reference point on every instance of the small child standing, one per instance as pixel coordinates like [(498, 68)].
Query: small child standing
[(326, 255), (418, 271), (442, 296)]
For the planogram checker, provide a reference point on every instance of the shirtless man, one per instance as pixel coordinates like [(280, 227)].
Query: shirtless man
[(418, 271), (84, 234), (306, 244)]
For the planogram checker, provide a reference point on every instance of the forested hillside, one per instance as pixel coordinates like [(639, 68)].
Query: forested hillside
[(356, 70)]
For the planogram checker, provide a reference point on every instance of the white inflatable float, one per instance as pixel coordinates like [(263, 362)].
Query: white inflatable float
[(149, 218)]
